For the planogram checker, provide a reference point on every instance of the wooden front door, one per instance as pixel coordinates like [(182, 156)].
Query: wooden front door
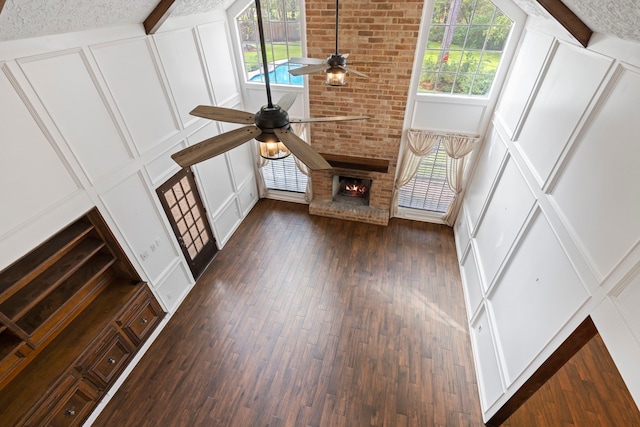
[(182, 204)]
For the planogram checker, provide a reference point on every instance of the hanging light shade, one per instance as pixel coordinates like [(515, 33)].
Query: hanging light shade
[(336, 76), (271, 148)]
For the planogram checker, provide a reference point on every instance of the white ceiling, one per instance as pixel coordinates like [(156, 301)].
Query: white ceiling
[(31, 18), (21, 19), (618, 18)]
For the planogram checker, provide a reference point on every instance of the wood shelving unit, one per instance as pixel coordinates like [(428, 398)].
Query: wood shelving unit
[(67, 312)]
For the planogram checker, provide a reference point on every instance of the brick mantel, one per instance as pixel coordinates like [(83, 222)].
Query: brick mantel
[(381, 39)]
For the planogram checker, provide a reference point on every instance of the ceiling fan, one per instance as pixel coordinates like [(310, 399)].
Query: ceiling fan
[(270, 125), (335, 65)]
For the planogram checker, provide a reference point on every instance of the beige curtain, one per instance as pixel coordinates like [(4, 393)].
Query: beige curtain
[(457, 147), (419, 143), (302, 130), (262, 162)]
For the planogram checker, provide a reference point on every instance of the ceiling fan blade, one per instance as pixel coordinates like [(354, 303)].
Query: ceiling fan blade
[(302, 150), (306, 61), (309, 69), (357, 73), (214, 146), (287, 101), (329, 119), (223, 114)]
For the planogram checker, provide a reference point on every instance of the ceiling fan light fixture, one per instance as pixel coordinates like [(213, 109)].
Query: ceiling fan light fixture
[(273, 150), (336, 76), (270, 126)]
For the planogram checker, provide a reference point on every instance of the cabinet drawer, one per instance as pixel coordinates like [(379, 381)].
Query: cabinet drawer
[(68, 405), (109, 358), (141, 318)]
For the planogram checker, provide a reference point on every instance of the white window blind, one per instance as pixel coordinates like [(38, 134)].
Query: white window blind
[(284, 175), (428, 190)]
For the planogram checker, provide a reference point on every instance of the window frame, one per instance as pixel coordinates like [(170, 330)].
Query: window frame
[(464, 50), (509, 9), (452, 113), (272, 64)]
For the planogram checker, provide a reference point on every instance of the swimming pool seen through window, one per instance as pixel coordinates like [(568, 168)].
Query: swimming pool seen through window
[(281, 20)]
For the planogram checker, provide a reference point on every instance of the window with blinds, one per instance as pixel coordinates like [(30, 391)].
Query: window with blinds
[(284, 175), (428, 190)]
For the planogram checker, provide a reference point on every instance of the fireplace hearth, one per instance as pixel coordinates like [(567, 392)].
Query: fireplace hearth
[(348, 190), (352, 191)]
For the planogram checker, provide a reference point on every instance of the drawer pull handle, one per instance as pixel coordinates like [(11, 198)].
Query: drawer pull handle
[(111, 361), (143, 321), (70, 412)]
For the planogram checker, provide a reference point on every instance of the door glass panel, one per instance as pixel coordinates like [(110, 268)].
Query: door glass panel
[(180, 199)]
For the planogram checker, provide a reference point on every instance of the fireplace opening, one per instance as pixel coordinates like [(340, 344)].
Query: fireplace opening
[(354, 191)]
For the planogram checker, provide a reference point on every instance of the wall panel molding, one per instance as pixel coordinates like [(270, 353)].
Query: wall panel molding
[(148, 116), (607, 143), (181, 59), (67, 88), (524, 76)]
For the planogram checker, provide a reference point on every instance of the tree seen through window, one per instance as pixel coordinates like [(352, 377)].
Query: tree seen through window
[(464, 48)]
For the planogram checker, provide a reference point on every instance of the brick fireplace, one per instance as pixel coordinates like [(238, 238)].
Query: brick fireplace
[(381, 39), (351, 190), (326, 184)]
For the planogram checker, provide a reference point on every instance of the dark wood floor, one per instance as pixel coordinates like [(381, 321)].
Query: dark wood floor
[(587, 391), (310, 321)]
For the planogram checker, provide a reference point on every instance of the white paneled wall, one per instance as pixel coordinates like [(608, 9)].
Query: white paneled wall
[(562, 99), (137, 87), (491, 160), (490, 378), (185, 71), (609, 144), (92, 121), (67, 88), (534, 298), (549, 231), (27, 148), (220, 63), (131, 207), (504, 218)]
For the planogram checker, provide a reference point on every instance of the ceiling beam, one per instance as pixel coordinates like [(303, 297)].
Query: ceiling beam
[(157, 17), (578, 29)]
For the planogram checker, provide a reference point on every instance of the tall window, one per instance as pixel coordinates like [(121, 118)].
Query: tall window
[(465, 45), (428, 189), (281, 19), (284, 175)]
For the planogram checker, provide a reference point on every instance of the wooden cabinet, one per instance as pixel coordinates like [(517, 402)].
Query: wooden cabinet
[(141, 318), (68, 405), (73, 312), (108, 358)]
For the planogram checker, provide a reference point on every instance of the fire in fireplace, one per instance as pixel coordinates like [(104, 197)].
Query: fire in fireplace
[(351, 190)]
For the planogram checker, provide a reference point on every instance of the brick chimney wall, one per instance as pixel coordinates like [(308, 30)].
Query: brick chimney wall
[(381, 38)]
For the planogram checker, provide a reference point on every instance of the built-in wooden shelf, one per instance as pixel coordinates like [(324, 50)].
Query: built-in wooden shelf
[(73, 312), (357, 163)]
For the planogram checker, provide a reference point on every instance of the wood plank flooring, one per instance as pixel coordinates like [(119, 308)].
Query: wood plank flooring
[(587, 391), (310, 321)]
